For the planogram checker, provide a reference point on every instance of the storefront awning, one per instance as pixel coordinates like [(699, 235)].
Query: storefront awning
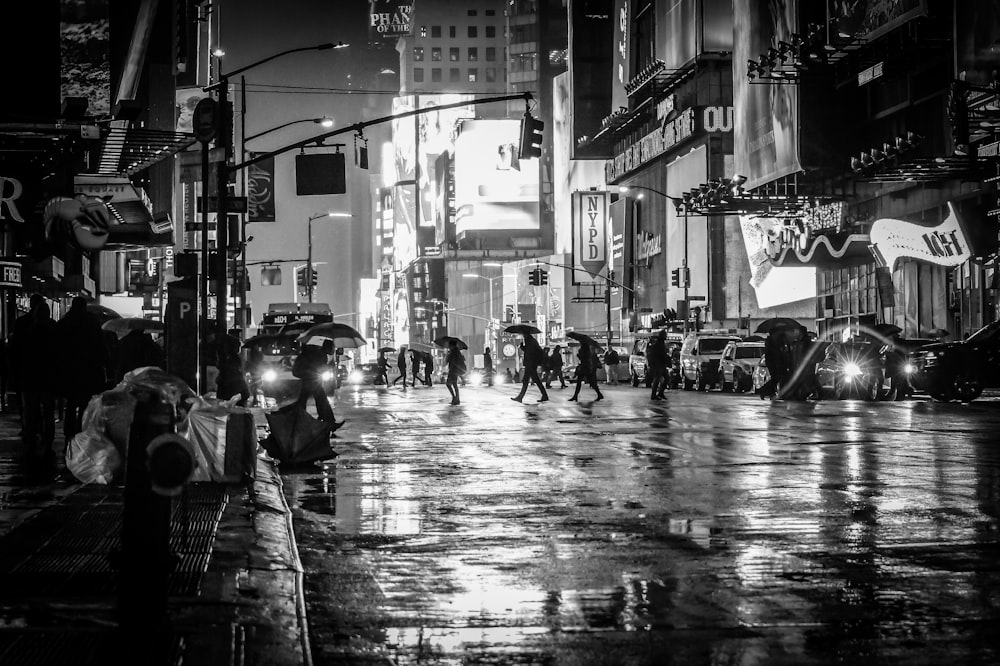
[(826, 251)]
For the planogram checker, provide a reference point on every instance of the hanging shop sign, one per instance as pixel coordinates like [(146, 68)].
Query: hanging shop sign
[(944, 244), (590, 232), (10, 273), (689, 123)]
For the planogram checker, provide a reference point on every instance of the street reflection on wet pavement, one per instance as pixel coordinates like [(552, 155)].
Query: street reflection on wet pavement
[(707, 529)]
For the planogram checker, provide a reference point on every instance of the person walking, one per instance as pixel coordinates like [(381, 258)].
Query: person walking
[(611, 360), (657, 366), (383, 369), (488, 366), (455, 361), (40, 385), (415, 357), (555, 368), (401, 365), (83, 362), (308, 367), (534, 356), (428, 368), (20, 368), (586, 371)]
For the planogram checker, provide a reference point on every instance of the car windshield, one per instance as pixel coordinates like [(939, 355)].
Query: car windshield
[(986, 333), (280, 348), (749, 352), (713, 345)]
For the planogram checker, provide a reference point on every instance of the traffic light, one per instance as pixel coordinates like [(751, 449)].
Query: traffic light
[(958, 115), (531, 137), (543, 277), (534, 277), (314, 277), (685, 277), (675, 277)]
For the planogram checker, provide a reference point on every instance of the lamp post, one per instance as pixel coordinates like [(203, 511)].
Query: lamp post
[(325, 121), (224, 141), (490, 329), (309, 256)]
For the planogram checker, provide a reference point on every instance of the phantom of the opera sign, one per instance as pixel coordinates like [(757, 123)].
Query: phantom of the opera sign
[(590, 233), (389, 19)]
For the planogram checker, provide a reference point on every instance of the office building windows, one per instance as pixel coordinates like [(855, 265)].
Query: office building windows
[(453, 54), (436, 75), (436, 31), (473, 75), (418, 53), (491, 74), (473, 32), (491, 54), (452, 31), (491, 12), (436, 53), (473, 54), (473, 12), (491, 31), (423, 31), (418, 74), (454, 74)]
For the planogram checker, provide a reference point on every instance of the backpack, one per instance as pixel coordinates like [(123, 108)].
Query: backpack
[(613, 358)]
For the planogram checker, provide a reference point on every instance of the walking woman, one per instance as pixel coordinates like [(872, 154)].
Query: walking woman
[(455, 362), (586, 371), (534, 356), (401, 364)]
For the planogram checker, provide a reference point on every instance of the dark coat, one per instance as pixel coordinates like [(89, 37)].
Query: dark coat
[(534, 355), (137, 350), (39, 355), (84, 361), (310, 363)]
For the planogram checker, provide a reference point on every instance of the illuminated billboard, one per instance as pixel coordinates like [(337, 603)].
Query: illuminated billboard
[(773, 285), (494, 190)]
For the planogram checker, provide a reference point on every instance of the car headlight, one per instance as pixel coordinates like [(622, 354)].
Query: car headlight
[(327, 375), (355, 377), (475, 377), (269, 376), (908, 368), (499, 379), (852, 369)]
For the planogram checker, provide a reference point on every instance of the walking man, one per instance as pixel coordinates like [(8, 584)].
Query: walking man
[(586, 371), (488, 366), (456, 368), (534, 356), (40, 385), (401, 364), (428, 368), (383, 369), (656, 366), (83, 362), (415, 363), (611, 360), (309, 367), (555, 368)]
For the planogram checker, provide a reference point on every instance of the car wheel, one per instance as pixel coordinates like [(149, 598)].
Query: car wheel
[(728, 387), (635, 380), (967, 389), (700, 380)]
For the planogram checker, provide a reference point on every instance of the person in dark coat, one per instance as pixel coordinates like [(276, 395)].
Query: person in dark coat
[(657, 366), (428, 368), (401, 364), (40, 385), (534, 356), (555, 368), (83, 362), (488, 367), (137, 350), (455, 361), (415, 358), (586, 371), (309, 366), (232, 379), (19, 364), (383, 369)]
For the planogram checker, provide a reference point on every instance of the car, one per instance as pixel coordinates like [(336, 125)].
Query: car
[(737, 363), (364, 374), (637, 358), (850, 370), (959, 370), (700, 355)]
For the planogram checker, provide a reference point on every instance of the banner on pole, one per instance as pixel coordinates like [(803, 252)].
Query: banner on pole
[(590, 232)]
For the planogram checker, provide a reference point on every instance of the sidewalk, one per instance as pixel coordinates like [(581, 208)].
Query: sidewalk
[(235, 596)]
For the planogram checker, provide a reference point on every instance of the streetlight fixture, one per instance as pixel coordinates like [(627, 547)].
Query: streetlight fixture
[(309, 258), (325, 121), (491, 329)]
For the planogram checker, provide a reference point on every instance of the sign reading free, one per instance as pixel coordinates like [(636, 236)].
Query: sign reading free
[(10, 274)]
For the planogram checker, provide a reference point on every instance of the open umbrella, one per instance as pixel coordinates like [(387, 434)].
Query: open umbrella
[(102, 312), (343, 336), (297, 437), (775, 323), (583, 338), (522, 328), (445, 341), (387, 350), (124, 325)]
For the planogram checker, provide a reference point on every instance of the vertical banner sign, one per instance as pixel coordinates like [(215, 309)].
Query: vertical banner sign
[(389, 19), (590, 232), (260, 191)]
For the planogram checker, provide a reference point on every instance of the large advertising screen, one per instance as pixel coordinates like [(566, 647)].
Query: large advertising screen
[(494, 190), (389, 19), (86, 64), (773, 285), (767, 122), (677, 41), (589, 67), (404, 137), (620, 71), (436, 131)]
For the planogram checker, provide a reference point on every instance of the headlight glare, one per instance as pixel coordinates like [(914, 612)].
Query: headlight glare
[(356, 377), (269, 375), (852, 369), (327, 375)]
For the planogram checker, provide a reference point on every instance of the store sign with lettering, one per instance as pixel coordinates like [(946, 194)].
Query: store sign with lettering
[(690, 121), (649, 246), (944, 244), (10, 192), (590, 232)]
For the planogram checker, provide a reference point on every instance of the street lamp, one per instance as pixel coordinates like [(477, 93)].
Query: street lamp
[(491, 330), (325, 121), (309, 258)]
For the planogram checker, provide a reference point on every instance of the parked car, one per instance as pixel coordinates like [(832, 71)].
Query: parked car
[(959, 370), (851, 370), (637, 357), (737, 364), (700, 355)]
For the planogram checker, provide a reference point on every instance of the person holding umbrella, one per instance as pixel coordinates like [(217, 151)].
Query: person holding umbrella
[(308, 367), (383, 365), (401, 365), (428, 368), (455, 361), (534, 356), (586, 370)]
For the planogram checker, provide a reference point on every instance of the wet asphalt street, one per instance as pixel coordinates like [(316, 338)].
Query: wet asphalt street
[(706, 529)]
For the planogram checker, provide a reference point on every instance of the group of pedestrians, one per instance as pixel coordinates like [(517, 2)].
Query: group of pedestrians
[(56, 367)]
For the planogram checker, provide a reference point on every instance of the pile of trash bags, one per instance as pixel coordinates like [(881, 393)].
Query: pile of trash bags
[(222, 435)]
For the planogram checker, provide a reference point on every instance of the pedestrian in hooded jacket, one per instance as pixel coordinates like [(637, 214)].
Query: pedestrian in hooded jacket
[(586, 371), (534, 356), (83, 362)]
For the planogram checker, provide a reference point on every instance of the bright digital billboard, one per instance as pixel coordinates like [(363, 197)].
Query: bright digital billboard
[(494, 190)]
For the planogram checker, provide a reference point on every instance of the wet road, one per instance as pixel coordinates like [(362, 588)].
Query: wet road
[(708, 529)]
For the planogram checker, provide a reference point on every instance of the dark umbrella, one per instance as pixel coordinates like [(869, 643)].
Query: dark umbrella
[(522, 328), (386, 350), (775, 323), (446, 340), (297, 437), (343, 336), (583, 338), (102, 312), (122, 326)]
